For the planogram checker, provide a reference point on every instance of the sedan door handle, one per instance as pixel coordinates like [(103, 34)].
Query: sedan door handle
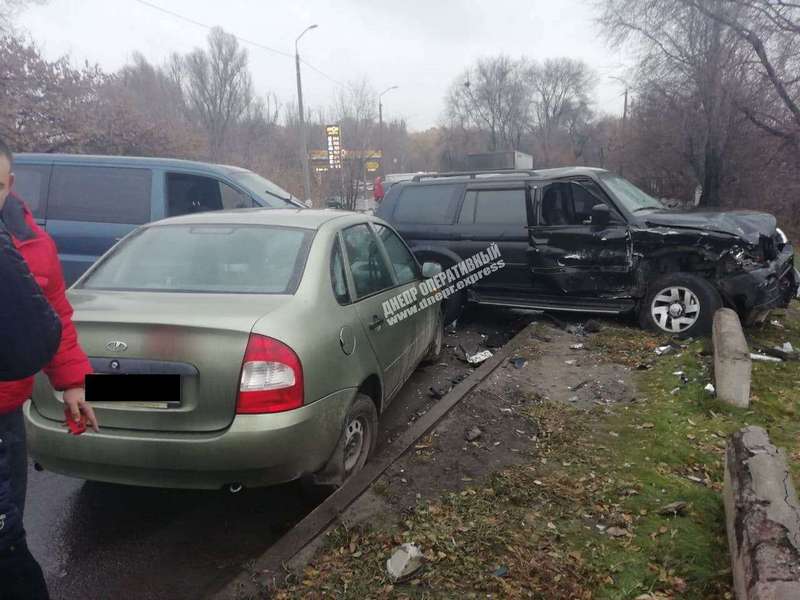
[(376, 322)]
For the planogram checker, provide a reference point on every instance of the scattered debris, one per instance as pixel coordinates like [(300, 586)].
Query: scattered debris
[(662, 350), (710, 389), (777, 323), (785, 352), (616, 532), (451, 329), (478, 358), (576, 330), (518, 362), (437, 393), (764, 358), (501, 571), (592, 326), (675, 391), (574, 399), (473, 434), (673, 509), (404, 562), (643, 367), (570, 362), (495, 340), (578, 386), (576, 347)]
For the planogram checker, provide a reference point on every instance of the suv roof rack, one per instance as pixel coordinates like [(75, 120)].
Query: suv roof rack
[(474, 174)]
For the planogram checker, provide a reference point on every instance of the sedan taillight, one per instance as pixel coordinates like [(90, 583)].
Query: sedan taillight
[(272, 378)]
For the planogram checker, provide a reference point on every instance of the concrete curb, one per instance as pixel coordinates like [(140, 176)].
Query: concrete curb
[(762, 517), (267, 569)]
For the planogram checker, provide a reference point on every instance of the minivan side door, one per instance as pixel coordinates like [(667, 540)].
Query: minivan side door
[(31, 184), (90, 208), (572, 256), (373, 283)]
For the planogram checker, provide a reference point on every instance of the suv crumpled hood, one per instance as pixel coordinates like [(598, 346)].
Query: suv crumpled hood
[(748, 225)]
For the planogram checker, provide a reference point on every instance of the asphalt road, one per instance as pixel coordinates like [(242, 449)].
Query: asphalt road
[(99, 541)]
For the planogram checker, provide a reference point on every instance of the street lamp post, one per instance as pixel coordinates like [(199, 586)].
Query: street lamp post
[(303, 136), (380, 122)]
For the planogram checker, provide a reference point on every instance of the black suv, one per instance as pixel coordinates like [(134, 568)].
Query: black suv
[(587, 240)]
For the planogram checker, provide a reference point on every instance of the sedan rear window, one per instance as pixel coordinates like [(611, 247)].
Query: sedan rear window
[(206, 258)]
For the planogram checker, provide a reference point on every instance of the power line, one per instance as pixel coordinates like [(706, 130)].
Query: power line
[(241, 39)]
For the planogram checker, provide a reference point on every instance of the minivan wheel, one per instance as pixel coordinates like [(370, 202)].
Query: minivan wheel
[(680, 304)]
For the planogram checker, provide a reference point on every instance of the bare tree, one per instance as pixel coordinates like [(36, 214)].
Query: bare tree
[(561, 88), (494, 96), (216, 85), (772, 29), (356, 112), (683, 53), (9, 11)]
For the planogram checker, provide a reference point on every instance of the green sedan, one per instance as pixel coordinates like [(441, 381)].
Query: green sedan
[(241, 348)]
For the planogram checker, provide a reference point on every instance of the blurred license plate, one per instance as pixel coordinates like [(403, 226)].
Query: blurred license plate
[(146, 391)]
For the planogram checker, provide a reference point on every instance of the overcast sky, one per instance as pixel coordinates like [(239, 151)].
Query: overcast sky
[(421, 46)]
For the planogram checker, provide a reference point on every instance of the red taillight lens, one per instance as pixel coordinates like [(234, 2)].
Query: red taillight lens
[(272, 378)]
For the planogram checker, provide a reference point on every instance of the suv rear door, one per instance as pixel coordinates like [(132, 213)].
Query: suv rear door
[(570, 255), (496, 213), (91, 207)]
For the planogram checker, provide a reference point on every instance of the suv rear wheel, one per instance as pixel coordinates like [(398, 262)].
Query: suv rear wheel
[(680, 304)]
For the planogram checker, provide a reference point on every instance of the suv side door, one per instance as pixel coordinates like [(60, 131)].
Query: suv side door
[(372, 282), (571, 255), (91, 207), (497, 213)]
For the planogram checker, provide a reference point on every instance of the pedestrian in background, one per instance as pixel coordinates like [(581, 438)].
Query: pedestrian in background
[(36, 333)]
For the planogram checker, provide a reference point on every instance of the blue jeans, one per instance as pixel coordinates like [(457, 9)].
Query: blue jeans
[(20, 575)]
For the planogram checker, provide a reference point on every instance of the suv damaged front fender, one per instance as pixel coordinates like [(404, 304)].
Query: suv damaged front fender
[(754, 285)]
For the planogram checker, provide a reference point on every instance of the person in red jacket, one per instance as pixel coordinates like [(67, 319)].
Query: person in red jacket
[(19, 574)]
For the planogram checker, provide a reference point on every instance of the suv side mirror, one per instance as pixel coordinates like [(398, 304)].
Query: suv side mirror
[(601, 215), (431, 269)]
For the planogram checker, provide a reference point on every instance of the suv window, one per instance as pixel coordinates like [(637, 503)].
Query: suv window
[(100, 194), (195, 193), (403, 262), (338, 277), (30, 184), (429, 204), (496, 207), (569, 203), (369, 270)]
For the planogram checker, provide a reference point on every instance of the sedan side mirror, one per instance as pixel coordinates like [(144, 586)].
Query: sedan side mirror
[(601, 215), (431, 269)]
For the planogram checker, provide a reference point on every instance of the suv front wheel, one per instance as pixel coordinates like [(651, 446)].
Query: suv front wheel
[(680, 304)]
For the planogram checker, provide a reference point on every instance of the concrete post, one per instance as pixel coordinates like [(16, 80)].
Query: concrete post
[(732, 366)]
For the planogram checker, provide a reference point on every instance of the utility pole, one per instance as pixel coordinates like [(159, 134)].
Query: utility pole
[(380, 123), (624, 130), (303, 135)]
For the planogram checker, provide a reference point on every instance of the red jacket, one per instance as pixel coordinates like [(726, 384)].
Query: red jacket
[(70, 365)]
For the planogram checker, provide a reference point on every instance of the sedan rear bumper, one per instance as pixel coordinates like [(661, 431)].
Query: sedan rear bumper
[(256, 450)]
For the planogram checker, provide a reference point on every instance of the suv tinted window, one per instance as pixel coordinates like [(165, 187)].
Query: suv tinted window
[(100, 194), (430, 204), (369, 270), (30, 184), (501, 207), (405, 266)]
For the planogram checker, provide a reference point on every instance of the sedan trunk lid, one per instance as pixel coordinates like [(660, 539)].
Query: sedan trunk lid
[(200, 338)]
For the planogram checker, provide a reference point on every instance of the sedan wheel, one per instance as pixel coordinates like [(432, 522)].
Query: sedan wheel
[(353, 444)]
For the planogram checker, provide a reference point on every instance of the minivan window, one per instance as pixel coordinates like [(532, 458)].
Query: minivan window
[(206, 258), (501, 207), (429, 204), (30, 184), (100, 194), (273, 196), (194, 193)]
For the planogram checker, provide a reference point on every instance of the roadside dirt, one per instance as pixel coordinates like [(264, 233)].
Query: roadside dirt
[(493, 427)]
